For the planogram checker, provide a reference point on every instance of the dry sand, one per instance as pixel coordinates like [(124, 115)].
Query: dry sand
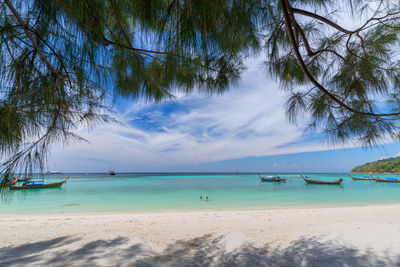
[(344, 236)]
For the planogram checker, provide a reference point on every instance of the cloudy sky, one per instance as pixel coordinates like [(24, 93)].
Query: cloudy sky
[(244, 129)]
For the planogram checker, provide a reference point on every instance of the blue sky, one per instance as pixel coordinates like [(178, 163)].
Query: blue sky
[(244, 128)]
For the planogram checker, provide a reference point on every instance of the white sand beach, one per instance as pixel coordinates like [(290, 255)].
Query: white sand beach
[(343, 236)]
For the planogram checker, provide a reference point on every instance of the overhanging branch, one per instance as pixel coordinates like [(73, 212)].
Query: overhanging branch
[(320, 18), (286, 10), (34, 43)]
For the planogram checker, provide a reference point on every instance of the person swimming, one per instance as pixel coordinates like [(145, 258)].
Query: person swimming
[(207, 198), (201, 198)]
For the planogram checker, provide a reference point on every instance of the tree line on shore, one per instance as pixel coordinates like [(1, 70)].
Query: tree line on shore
[(389, 165)]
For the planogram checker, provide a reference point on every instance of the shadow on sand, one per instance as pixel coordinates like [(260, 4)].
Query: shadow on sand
[(202, 251)]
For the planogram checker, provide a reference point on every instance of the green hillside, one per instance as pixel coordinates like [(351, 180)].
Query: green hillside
[(379, 166)]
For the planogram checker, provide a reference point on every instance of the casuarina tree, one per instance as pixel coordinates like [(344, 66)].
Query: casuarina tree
[(63, 62)]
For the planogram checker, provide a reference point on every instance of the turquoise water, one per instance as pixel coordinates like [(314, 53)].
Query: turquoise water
[(181, 192)]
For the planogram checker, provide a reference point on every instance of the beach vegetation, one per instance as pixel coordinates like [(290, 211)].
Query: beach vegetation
[(389, 165)]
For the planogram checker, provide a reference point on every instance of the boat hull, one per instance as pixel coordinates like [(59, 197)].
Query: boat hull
[(6, 185), (323, 182), (362, 179), (39, 186), (313, 181), (386, 181), (271, 179)]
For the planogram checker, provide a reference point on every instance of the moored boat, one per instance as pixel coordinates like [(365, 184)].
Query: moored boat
[(38, 185), (112, 172), (271, 178), (7, 183), (362, 178), (314, 181), (387, 180)]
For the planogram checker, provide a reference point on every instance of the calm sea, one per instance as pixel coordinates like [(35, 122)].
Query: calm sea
[(181, 192)]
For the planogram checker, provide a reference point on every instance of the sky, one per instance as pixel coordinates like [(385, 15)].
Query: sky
[(244, 129)]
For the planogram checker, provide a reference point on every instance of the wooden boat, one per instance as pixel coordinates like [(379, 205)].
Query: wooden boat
[(8, 183), (38, 185), (362, 178), (388, 180), (271, 178), (313, 181)]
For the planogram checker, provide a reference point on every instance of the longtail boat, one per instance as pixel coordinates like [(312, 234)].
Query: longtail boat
[(387, 180), (271, 178), (313, 181), (8, 183), (38, 185), (362, 178)]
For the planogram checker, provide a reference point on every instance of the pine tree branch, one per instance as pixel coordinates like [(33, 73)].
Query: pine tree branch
[(55, 54), (320, 18), (34, 43), (149, 52), (109, 42), (289, 27), (136, 50)]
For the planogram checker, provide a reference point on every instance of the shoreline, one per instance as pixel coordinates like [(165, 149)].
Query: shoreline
[(242, 209)]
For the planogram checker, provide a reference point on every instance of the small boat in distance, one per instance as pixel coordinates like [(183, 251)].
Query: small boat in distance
[(313, 181), (271, 178), (387, 180), (38, 185), (53, 172), (112, 172)]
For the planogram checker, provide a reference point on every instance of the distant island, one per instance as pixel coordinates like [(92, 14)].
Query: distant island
[(389, 165)]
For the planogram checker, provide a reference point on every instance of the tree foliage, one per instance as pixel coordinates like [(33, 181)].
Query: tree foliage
[(344, 76), (61, 61)]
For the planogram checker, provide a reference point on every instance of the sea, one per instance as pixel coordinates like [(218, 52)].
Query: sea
[(168, 192)]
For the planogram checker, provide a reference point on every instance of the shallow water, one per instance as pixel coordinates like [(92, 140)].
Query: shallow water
[(181, 192)]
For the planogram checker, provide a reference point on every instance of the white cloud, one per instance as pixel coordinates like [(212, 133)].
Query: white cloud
[(246, 121)]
